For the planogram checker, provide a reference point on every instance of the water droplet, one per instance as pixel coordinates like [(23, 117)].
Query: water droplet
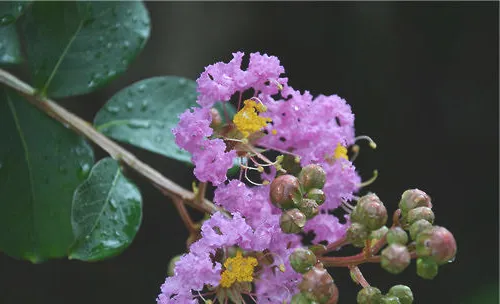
[(130, 105), (141, 88), (113, 203), (111, 73), (87, 237), (134, 19), (63, 169), (101, 38), (158, 139), (6, 19), (113, 109), (182, 81), (129, 12), (111, 243), (139, 124), (126, 44), (84, 170), (109, 45)]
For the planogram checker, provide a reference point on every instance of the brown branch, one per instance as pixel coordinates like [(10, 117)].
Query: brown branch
[(84, 128), (181, 208)]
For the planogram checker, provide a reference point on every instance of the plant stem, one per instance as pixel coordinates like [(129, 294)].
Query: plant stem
[(84, 128), (359, 276)]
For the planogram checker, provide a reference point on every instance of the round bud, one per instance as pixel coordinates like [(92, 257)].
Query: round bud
[(427, 268), (418, 227), (357, 234), (171, 265), (216, 119), (395, 258), (285, 189), (389, 300), (292, 221), (312, 176), (437, 243), (420, 213), (379, 233), (317, 248), (316, 194), (302, 260), (370, 211), (334, 299), (309, 207), (369, 295), (318, 285), (402, 292), (414, 198), (300, 298), (397, 235)]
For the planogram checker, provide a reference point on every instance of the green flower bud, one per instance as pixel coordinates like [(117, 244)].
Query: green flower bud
[(369, 295), (397, 235), (402, 292), (318, 285), (418, 227), (292, 221), (290, 164), (301, 298), (414, 198), (285, 190), (316, 194), (309, 207), (389, 300), (437, 243), (379, 233), (302, 260), (420, 213), (395, 258), (357, 234), (171, 265), (317, 248), (370, 211), (312, 176), (427, 268)]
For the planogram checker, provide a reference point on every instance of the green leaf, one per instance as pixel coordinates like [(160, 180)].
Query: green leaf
[(41, 164), (144, 113), (76, 47), (10, 50), (106, 214), (10, 11)]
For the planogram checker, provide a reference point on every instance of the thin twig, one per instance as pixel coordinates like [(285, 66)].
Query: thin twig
[(181, 208), (84, 128), (359, 276)]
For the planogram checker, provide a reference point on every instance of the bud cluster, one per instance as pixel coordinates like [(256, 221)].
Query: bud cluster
[(299, 197), (368, 216), (398, 294), (434, 245)]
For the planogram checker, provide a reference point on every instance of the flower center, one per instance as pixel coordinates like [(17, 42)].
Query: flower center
[(247, 120), (238, 269), (340, 152)]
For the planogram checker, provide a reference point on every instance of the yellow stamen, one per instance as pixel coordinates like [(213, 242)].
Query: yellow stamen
[(247, 120), (238, 269), (274, 132), (340, 152)]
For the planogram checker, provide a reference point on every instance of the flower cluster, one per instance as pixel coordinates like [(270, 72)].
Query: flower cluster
[(247, 254)]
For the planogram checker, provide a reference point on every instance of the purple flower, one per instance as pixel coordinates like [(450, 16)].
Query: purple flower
[(208, 155), (342, 181), (221, 80), (326, 227)]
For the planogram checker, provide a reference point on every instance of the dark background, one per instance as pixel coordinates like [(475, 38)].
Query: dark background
[(422, 79)]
